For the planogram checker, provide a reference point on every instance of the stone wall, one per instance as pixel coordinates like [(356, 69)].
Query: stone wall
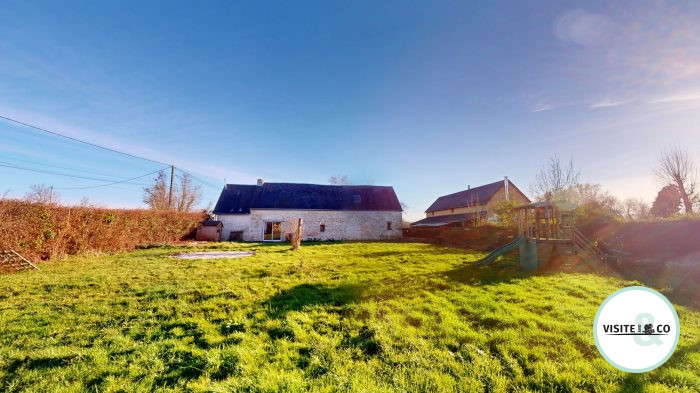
[(234, 222), (339, 225)]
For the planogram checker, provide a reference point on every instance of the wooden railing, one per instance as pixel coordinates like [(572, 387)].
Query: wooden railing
[(583, 245), (11, 261)]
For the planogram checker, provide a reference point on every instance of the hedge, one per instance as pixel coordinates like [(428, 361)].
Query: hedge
[(42, 231)]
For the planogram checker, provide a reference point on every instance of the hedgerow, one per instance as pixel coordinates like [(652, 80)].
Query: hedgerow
[(51, 231)]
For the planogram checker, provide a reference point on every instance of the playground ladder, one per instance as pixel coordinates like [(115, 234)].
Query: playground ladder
[(12, 261), (582, 245)]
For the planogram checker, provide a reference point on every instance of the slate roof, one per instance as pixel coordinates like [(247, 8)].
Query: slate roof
[(240, 198), (473, 197), (438, 221)]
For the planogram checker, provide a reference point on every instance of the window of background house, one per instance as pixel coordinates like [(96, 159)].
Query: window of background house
[(272, 231), (388, 225), (323, 228)]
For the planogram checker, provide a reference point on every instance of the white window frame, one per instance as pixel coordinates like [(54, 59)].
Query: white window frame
[(264, 227)]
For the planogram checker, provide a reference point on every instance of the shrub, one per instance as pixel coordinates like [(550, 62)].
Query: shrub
[(49, 231)]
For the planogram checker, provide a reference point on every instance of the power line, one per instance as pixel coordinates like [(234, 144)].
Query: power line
[(53, 166), (204, 182), (78, 140), (57, 173), (108, 184)]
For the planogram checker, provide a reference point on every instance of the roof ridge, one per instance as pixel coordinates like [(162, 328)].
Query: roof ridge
[(474, 188), (311, 184), (240, 198), (480, 195)]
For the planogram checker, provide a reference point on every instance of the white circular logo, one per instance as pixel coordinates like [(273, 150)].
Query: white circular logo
[(636, 329)]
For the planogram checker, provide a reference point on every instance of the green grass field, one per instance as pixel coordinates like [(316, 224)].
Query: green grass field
[(331, 317)]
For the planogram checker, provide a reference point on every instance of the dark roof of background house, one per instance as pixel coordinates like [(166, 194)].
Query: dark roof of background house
[(438, 221), (240, 198), (472, 197), (211, 223)]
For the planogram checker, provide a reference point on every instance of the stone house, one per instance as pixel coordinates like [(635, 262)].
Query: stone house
[(472, 205), (264, 212)]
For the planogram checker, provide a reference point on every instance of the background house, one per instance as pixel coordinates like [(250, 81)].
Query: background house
[(263, 212), (471, 205)]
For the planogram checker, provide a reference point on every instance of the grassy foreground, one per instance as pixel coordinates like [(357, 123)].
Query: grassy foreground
[(332, 317)]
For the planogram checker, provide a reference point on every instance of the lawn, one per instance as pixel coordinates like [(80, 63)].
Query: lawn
[(331, 317)]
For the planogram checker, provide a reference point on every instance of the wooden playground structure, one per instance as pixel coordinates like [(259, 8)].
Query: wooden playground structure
[(546, 229)]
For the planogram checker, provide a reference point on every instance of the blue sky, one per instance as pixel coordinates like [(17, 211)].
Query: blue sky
[(426, 96)]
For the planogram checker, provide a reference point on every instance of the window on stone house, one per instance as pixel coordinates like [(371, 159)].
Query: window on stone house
[(322, 228), (388, 225)]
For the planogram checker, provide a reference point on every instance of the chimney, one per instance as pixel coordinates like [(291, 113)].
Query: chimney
[(506, 184), (261, 182), (469, 187)]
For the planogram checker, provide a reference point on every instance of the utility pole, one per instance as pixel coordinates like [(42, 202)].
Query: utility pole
[(170, 194), (50, 195)]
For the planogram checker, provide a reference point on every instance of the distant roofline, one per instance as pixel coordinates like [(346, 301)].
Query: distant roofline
[(310, 210), (471, 189), (479, 203), (307, 184)]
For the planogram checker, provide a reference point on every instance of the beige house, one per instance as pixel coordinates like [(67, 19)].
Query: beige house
[(471, 205), (264, 211)]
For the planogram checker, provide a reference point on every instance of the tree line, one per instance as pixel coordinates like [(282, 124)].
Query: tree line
[(675, 169)]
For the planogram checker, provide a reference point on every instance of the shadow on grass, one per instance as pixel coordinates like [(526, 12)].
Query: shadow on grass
[(41, 363), (30, 364), (504, 270), (307, 295), (403, 253), (679, 285), (632, 383)]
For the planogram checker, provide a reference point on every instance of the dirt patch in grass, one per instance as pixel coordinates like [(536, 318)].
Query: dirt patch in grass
[(214, 255)]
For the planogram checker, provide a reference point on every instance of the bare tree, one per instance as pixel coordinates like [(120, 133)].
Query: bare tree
[(595, 195), (554, 178), (675, 167), (635, 209), (41, 193), (187, 195), (339, 180), (156, 196)]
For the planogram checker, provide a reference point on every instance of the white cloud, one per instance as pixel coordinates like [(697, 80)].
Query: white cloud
[(632, 51), (676, 98), (583, 28), (607, 103), (542, 107)]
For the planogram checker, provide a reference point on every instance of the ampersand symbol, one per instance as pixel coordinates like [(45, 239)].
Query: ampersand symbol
[(648, 321)]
